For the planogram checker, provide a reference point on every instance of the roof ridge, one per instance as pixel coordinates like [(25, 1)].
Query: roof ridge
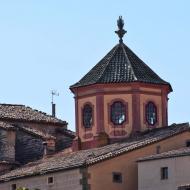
[(108, 61), (8, 104), (27, 113), (183, 151), (42, 112), (126, 56), (36, 132), (6, 126)]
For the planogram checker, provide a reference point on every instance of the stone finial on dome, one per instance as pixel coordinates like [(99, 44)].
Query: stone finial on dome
[(121, 32)]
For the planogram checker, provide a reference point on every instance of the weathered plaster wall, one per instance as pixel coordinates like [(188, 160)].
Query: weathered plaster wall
[(126, 164), (178, 173), (134, 95), (62, 181)]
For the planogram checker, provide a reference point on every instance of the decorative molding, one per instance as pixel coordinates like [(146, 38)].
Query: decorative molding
[(118, 133), (136, 125), (96, 87), (76, 117), (88, 135), (100, 113), (164, 108)]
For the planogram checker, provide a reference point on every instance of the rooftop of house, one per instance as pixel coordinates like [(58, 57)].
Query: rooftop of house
[(62, 161), (184, 186), (7, 126), (16, 112), (41, 134), (170, 154)]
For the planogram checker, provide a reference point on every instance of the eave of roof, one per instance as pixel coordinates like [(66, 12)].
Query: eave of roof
[(165, 155), (89, 157), (7, 126), (36, 132), (120, 65), (181, 187), (22, 113)]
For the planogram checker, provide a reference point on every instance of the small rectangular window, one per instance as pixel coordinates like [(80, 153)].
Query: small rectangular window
[(50, 180), (188, 143), (164, 173), (117, 177), (13, 187)]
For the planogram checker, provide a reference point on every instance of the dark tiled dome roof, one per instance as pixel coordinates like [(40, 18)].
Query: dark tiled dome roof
[(120, 65)]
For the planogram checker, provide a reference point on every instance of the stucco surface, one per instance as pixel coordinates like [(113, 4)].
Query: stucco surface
[(178, 173), (62, 181), (127, 165)]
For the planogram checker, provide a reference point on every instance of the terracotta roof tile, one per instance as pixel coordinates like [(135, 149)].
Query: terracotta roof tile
[(41, 134), (36, 132), (170, 154), (23, 113), (184, 186), (62, 161), (7, 126), (120, 65)]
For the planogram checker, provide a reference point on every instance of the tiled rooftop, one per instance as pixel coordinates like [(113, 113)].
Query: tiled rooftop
[(36, 132), (6, 126), (120, 65), (170, 154), (62, 161), (184, 186), (16, 112), (41, 134)]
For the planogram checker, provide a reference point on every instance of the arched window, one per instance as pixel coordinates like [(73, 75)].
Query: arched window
[(87, 116), (151, 113), (118, 113)]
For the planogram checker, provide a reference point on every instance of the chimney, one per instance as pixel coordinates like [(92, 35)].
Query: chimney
[(53, 109), (49, 147), (45, 148)]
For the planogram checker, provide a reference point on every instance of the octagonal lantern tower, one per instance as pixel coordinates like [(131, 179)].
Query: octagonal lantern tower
[(118, 97)]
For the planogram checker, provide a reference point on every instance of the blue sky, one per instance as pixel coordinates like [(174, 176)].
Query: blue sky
[(47, 44)]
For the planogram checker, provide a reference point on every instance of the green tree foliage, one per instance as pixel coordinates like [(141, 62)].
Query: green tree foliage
[(22, 188)]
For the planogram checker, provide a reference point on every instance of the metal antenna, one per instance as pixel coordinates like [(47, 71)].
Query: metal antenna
[(53, 93)]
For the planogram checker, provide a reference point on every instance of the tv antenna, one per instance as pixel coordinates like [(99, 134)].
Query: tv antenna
[(53, 93)]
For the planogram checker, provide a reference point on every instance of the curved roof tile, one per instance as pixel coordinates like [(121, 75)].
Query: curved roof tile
[(120, 65)]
